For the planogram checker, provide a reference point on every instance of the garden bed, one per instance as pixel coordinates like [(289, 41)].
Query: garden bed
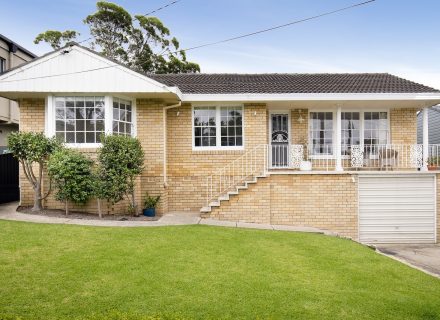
[(84, 215)]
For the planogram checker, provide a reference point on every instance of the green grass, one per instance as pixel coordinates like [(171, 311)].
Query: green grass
[(73, 272)]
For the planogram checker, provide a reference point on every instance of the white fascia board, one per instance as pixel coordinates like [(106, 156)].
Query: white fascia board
[(310, 97)]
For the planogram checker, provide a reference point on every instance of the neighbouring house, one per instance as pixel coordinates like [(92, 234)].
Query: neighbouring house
[(11, 55), (433, 125), (332, 151)]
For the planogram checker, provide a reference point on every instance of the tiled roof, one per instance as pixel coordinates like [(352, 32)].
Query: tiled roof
[(199, 83)]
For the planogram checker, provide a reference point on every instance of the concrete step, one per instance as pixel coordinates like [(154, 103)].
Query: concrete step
[(205, 210), (214, 204)]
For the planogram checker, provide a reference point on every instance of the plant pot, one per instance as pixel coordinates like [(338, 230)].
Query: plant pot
[(305, 166), (431, 168), (150, 212)]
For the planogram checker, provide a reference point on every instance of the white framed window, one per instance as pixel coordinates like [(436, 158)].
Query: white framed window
[(376, 129), (350, 131), (321, 132), (80, 120), (365, 128), (122, 117), (217, 127)]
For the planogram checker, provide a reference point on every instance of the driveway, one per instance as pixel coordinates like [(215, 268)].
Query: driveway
[(422, 256)]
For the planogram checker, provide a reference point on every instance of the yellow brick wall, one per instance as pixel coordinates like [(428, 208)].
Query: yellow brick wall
[(300, 130), (150, 132), (403, 126), (320, 201), (31, 120), (188, 169)]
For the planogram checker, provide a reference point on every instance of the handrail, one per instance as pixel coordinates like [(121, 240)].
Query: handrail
[(252, 163)]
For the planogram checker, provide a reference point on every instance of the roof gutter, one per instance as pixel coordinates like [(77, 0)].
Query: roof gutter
[(311, 97)]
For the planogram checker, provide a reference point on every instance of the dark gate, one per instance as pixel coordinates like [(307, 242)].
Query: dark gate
[(9, 188)]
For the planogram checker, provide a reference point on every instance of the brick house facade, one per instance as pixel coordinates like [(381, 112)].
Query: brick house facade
[(310, 107)]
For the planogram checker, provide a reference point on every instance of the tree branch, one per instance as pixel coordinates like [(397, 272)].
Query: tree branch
[(27, 174), (48, 192)]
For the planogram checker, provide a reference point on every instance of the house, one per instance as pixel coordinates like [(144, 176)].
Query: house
[(433, 125), (11, 55), (332, 151)]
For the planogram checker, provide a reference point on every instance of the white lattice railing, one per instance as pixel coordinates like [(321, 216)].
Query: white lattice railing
[(356, 157), (251, 164)]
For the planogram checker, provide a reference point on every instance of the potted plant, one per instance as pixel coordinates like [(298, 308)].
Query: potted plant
[(305, 164), (433, 163), (150, 204)]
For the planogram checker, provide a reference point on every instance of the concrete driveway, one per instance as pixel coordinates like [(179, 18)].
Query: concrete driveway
[(422, 256)]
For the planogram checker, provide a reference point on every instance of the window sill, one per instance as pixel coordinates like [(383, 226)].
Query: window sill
[(238, 150)]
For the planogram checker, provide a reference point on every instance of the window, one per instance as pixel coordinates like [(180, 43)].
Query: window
[(375, 128), (122, 117), (231, 126), (205, 127), (2, 65), (79, 119), (83, 119), (321, 133), (218, 127), (350, 131)]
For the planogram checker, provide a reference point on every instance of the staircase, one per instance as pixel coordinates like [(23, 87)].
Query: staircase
[(235, 177)]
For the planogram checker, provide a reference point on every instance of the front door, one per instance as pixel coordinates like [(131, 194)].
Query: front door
[(279, 140)]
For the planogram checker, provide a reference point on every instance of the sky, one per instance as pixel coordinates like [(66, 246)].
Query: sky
[(401, 37)]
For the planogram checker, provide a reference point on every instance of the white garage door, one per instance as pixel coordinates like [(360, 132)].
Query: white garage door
[(397, 209)]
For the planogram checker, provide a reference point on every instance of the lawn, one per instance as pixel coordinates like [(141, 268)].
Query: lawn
[(201, 272)]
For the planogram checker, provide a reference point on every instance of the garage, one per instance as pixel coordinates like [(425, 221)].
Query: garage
[(397, 208)]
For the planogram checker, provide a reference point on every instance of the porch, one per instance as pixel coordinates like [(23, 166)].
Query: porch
[(373, 157)]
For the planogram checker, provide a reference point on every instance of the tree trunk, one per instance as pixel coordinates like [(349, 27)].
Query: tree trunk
[(38, 203), (99, 209), (67, 208)]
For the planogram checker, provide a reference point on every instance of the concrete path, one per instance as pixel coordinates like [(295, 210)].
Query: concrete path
[(425, 257), (8, 212)]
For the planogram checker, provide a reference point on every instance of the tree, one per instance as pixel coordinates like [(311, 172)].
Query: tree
[(110, 28), (71, 172), (121, 160), (143, 43), (56, 39), (33, 150)]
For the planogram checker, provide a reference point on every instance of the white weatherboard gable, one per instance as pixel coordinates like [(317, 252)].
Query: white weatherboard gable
[(79, 70)]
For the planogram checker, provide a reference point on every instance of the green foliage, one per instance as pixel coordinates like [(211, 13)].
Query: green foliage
[(110, 27), (143, 43), (433, 161), (32, 148), (71, 172), (56, 39), (121, 159), (150, 202)]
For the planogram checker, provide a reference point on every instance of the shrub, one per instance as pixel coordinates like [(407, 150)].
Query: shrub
[(121, 160), (71, 172), (32, 149), (150, 202)]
